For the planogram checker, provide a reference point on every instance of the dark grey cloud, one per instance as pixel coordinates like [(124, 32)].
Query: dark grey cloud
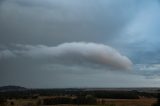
[(53, 22)]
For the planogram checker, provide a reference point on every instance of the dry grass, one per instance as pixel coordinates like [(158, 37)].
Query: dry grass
[(21, 102), (130, 102), (102, 102)]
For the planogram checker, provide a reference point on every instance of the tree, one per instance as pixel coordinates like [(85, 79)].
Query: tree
[(2, 101), (158, 99), (90, 99)]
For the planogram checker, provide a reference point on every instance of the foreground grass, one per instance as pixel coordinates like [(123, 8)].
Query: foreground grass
[(101, 102)]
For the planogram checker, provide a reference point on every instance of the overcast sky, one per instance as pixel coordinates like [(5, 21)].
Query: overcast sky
[(80, 43)]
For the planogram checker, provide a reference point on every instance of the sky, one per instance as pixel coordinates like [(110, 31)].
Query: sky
[(80, 43)]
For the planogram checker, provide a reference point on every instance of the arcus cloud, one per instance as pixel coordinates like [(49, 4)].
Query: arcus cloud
[(79, 53)]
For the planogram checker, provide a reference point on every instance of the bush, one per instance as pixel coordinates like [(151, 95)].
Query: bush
[(158, 101)]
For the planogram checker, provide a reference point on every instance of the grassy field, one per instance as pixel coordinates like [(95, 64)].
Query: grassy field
[(21, 102), (101, 102), (130, 102)]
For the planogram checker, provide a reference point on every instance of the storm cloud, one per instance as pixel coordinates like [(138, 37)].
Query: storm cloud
[(33, 22), (59, 43)]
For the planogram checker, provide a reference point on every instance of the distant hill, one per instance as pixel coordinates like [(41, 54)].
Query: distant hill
[(12, 88)]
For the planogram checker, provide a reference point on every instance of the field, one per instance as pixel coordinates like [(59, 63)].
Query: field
[(78, 97), (100, 102), (130, 102)]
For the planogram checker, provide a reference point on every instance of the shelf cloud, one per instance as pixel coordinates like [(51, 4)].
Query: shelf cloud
[(72, 53)]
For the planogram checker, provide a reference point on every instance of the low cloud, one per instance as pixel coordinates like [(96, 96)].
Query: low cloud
[(150, 71), (6, 54), (75, 53)]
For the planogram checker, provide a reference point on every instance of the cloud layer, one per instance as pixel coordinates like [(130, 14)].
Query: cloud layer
[(79, 53), (38, 26), (57, 21)]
